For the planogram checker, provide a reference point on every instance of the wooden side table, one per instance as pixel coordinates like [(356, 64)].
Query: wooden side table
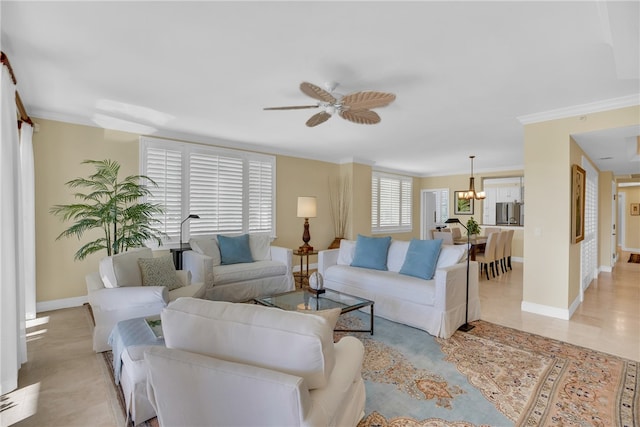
[(299, 277)]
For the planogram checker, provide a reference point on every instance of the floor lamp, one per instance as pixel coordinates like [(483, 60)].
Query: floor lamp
[(182, 223), (466, 327)]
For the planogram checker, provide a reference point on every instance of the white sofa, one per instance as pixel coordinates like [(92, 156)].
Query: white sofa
[(436, 306), (115, 293), (248, 365), (270, 273)]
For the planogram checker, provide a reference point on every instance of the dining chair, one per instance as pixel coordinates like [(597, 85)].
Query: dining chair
[(457, 234), (489, 230), (488, 257), (507, 248), (446, 236), (500, 252)]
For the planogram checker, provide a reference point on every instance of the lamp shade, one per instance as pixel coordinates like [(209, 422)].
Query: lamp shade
[(306, 207)]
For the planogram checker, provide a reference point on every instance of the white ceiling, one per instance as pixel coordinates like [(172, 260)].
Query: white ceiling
[(463, 72)]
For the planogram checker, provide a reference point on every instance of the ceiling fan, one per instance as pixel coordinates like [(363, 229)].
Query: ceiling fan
[(355, 107)]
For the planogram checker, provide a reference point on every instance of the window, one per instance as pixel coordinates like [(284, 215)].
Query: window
[(442, 203), (391, 203), (231, 191)]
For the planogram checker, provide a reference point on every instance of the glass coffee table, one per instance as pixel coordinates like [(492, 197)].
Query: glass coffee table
[(305, 300)]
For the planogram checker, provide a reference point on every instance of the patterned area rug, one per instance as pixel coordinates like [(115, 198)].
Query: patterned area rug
[(491, 376), (530, 380), (634, 258)]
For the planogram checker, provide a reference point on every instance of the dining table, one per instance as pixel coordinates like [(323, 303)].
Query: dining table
[(476, 245)]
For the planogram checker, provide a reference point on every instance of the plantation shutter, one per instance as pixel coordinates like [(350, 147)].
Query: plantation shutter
[(261, 196), (215, 193), (589, 245), (231, 191), (391, 197), (164, 166)]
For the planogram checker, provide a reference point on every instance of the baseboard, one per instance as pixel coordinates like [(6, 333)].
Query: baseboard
[(545, 310), (58, 304), (517, 259)]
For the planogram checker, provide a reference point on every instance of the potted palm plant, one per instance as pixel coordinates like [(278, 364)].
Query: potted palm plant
[(113, 206)]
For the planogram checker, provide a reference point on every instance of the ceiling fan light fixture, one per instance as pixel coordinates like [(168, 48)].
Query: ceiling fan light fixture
[(355, 107)]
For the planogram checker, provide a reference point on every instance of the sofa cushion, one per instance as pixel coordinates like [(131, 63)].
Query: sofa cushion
[(260, 245), (347, 249), (207, 246), (122, 269), (223, 274), (421, 258), (397, 253), (371, 252), (371, 283), (159, 272), (451, 255), (286, 341), (234, 250)]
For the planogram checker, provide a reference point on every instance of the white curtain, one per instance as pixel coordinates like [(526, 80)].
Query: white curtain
[(12, 316), (28, 239)]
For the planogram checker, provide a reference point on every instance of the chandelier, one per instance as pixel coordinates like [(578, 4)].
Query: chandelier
[(471, 194)]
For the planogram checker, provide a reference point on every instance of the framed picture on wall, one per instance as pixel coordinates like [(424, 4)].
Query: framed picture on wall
[(578, 182), (635, 209), (462, 206)]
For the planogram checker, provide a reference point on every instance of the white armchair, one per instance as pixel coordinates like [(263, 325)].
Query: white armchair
[(116, 293), (244, 364)]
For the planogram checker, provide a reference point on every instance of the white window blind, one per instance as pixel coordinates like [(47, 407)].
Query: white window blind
[(231, 191), (164, 167), (261, 196), (391, 203)]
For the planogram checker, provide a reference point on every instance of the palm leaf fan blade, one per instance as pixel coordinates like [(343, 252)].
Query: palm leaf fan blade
[(363, 117), (318, 118), (316, 92), (367, 100)]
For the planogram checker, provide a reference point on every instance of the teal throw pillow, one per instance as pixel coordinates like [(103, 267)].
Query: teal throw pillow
[(371, 252), (234, 250), (421, 258)]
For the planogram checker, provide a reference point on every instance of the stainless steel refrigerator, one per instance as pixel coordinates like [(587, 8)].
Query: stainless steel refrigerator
[(509, 213)]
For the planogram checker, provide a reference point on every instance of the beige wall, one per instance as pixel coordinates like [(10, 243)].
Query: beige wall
[(632, 222), (59, 150), (551, 273)]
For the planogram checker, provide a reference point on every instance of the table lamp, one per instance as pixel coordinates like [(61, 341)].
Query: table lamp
[(306, 210)]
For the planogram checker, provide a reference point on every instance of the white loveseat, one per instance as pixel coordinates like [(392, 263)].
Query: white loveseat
[(436, 306), (248, 365), (270, 272), (115, 293)]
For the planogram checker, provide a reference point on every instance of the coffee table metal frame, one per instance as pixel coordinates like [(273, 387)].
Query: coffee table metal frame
[(329, 299)]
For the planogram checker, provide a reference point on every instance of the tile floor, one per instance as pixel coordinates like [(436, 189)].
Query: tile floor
[(65, 383)]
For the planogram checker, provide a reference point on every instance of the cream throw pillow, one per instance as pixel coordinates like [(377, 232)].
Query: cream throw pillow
[(330, 315), (159, 272)]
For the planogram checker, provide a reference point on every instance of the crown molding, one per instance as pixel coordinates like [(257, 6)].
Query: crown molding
[(578, 110)]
